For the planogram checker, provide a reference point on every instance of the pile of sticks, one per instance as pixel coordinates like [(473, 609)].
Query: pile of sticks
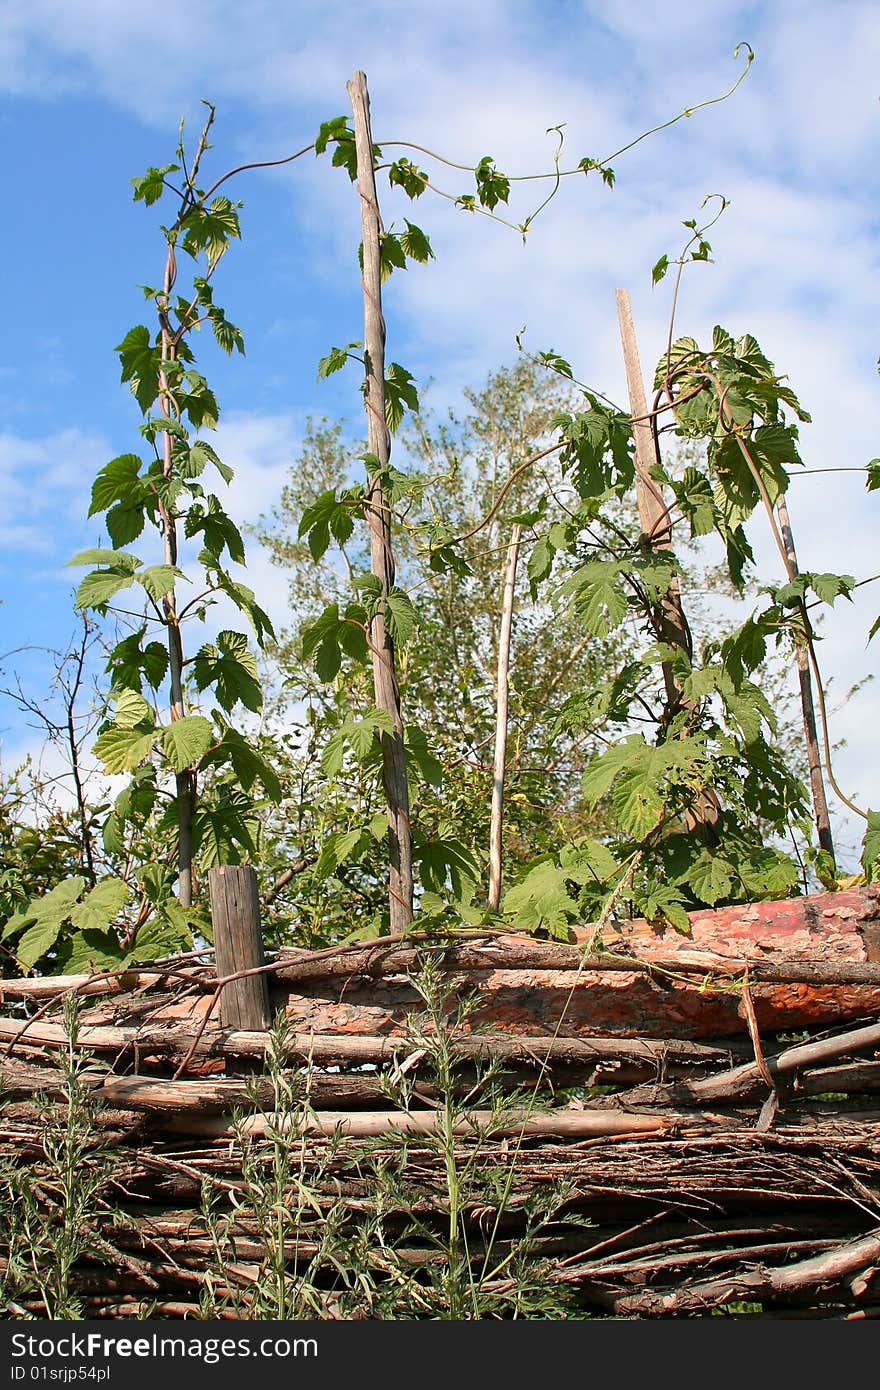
[(709, 1104)]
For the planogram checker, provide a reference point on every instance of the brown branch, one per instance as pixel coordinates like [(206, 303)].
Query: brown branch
[(825, 1270)]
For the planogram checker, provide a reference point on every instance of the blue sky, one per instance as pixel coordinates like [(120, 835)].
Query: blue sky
[(91, 92)]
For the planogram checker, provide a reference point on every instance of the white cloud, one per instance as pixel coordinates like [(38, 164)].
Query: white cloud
[(41, 480)]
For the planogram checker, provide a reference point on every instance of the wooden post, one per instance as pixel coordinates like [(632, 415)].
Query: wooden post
[(501, 707), (238, 945), (671, 625), (653, 512), (386, 688), (814, 761)]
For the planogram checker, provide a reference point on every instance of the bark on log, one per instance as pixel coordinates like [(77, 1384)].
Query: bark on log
[(573, 1124), (743, 1081), (826, 1270), (327, 1050), (812, 961)]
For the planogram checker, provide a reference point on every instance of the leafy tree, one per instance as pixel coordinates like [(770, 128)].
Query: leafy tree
[(581, 670)]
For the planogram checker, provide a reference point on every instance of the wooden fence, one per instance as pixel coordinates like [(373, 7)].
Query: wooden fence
[(705, 1108)]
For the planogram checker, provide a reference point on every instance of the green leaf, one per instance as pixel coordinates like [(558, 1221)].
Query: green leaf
[(199, 402), (136, 801), (588, 860), (132, 709), (333, 755), (404, 174), (361, 733), (246, 761), (120, 559), (185, 740), (345, 156), (831, 586), (224, 831), (554, 363), (665, 901), (53, 906), (541, 900), (341, 846), (128, 663), (429, 767), (391, 256), (493, 187), (98, 588), (203, 453), (638, 801), (219, 530), (400, 616), (37, 940), (327, 514), (358, 734), (601, 772), (210, 229), (243, 598), (659, 269), (88, 951), (710, 877), (150, 187), (400, 394), (117, 482), (232, 669), (337, 129), (696, 502), (445, 858), (336, 359), (540, 563), (101, 906), (599, 598), (871, 847), (416, 246), (158, 580), (141, 364), (328, 659), (161, 936), (120, 750), (125, 522)]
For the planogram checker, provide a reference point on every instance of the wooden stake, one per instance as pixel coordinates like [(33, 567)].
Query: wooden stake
[(501, 715), (672, 625), (653, 512), (238, 945), (386, 688), (814, 762)]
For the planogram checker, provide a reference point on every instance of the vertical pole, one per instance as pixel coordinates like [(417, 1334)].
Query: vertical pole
[(386, 688), (501, 717), (653, 512), (814, 762), (672, 625), (238, 945)]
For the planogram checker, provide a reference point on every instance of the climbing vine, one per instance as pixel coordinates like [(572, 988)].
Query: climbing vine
[(181, 717)]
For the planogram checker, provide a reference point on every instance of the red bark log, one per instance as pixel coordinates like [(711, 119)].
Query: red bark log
[(833, 930)]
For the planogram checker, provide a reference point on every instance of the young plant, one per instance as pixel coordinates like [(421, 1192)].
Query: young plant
[(48, 1213), (199, 775), (304, 1268), (468, 1275)]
